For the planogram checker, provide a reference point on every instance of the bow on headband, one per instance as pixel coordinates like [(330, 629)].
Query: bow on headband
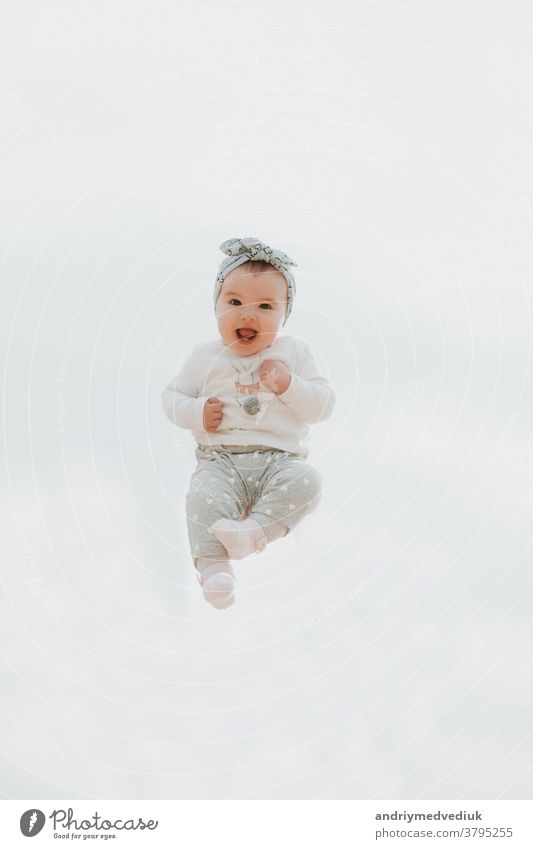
[(249, 248)]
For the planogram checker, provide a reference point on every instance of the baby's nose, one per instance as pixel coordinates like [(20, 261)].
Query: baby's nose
[(248, 312)]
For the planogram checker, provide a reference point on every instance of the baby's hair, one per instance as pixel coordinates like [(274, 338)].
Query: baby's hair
[(254, 266)]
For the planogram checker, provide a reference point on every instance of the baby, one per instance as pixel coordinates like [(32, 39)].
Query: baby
[(248, 398)]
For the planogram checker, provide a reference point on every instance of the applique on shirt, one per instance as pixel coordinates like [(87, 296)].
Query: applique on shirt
[(251, 396)]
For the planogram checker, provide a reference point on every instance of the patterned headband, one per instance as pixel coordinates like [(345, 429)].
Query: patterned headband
[(249, 248)]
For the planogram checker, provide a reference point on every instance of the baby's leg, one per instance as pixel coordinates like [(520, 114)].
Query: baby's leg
[(290, 489), (212, 495)]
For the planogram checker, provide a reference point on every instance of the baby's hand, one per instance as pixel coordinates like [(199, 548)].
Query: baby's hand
[(275, 375), (212, 414)]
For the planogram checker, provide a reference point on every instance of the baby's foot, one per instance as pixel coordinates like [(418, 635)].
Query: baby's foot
[(217, 586), (240, 539)]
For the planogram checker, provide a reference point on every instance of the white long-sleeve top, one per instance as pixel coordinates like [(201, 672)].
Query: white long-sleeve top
[(214, 370)]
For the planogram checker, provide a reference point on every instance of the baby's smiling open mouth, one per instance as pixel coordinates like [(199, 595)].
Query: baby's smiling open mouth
[(246, 334)]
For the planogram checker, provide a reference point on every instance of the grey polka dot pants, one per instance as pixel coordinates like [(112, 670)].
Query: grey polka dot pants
[(276, 488)]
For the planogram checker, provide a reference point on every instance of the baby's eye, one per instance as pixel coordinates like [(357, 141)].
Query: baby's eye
[(266, 305), (236, 301)]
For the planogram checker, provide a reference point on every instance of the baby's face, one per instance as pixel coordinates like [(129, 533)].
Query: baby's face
[(251, 305)]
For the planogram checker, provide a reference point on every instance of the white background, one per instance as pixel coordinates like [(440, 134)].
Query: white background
[(384, 649)]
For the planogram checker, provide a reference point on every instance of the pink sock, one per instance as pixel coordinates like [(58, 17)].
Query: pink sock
[(218, 583), (240, 539)]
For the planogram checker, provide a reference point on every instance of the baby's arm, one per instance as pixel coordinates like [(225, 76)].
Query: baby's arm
[(309, 394), (180, 398)]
